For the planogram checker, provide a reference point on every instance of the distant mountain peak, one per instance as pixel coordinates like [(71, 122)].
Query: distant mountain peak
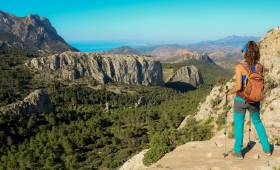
[(30, 34)]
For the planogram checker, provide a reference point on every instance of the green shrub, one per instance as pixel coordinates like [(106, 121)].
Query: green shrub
[(277, 139), (221, 121), (155, 153), (196, 131), (276, 168)]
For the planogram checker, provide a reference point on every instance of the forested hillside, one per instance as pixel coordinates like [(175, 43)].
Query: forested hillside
[(81, 133)]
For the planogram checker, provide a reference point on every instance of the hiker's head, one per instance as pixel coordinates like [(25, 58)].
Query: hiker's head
[(251, 53)]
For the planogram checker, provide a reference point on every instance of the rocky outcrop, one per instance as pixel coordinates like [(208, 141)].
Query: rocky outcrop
[(131, 70), (270, 43), (36, 102), (141, 101), (30, 34), (183, 55), (135, 162), (187, 74)]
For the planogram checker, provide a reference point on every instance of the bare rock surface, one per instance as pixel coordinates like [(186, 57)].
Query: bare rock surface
[(135, 163), (30, 34), (187, 74), (205, 155)]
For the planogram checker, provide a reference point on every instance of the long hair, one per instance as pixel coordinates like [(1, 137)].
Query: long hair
[(252, 54)]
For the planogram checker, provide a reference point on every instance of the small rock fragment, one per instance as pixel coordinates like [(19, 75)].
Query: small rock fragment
[(209, 155), (257, 156)]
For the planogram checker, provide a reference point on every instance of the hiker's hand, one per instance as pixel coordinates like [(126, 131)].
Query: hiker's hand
[(227, 92)]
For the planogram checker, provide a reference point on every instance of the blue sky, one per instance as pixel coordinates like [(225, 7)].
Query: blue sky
[(157, 21)]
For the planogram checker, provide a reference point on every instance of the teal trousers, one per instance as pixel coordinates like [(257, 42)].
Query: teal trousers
[(240, 107)]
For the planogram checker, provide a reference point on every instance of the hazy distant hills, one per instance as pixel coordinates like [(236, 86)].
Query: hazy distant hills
[(232, 40), (125, 50), (30, 34), (166, 53), (225, 51), (227, 45)]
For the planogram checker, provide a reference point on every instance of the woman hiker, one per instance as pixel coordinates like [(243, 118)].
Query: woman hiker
[(251, 56)]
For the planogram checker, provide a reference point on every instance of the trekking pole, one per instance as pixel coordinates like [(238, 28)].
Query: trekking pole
[(225, 130), (250, 124)]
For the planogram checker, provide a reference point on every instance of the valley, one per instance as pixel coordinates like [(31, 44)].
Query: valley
[(89, 132)]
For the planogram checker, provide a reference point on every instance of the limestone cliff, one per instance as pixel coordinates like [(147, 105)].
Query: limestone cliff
[(187, 74), (123, 69), (36, 102)]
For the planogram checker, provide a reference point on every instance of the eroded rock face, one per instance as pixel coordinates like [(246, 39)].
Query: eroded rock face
[(187, 74), (36, 102), (132, 69), (270, 43), (270, 58)]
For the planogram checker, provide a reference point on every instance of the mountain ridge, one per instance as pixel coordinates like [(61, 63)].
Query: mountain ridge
[(31, 34)]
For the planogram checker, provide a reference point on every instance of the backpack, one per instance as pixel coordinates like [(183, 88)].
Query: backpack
[(253, 90)]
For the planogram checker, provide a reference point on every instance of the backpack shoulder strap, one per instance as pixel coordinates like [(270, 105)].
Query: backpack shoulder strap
[(246, 68)]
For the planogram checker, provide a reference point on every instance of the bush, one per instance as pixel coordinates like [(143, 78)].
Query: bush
[(196, 131), (155, 153), (161, 143), (276, 168)]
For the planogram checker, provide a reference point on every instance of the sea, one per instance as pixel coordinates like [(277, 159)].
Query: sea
[(98, 46)]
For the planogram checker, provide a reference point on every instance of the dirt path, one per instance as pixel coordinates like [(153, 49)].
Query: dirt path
[(206, 155)]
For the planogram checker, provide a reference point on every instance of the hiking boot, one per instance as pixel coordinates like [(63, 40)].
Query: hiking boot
[(268, 153), (237, 155)]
